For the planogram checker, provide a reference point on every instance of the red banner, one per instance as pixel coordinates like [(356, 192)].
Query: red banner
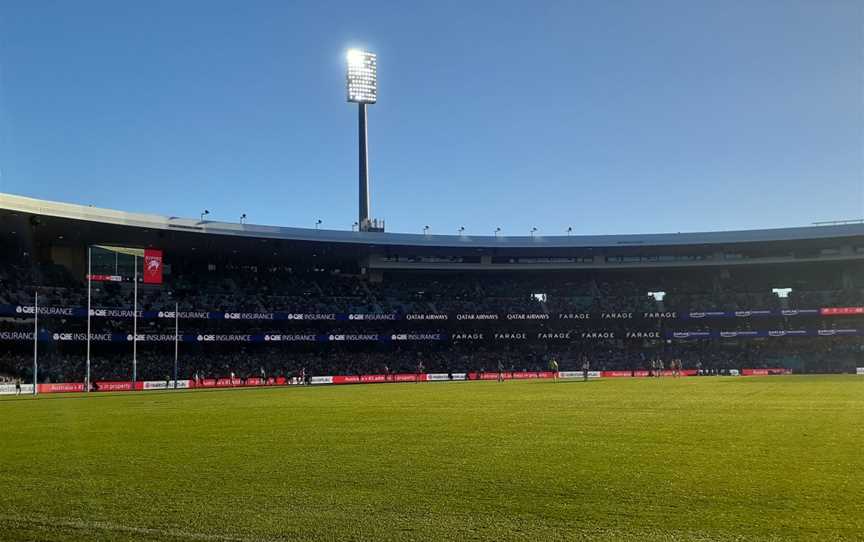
[(765, 372), (840, 311), (622, 374), (105, 278), (61, 387), (378, 379), (510, 375), (237, 382), (152, 266), (352, 379), (116, 386)]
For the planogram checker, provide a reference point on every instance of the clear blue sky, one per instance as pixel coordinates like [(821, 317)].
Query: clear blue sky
[(606, 116)]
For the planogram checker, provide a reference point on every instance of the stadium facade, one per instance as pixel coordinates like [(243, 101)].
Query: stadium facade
[(274, 300), (62, 231)]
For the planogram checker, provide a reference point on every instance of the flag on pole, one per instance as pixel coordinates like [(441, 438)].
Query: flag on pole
[(152, 266)]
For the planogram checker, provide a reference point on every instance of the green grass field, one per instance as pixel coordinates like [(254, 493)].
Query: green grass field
[(761, 458)]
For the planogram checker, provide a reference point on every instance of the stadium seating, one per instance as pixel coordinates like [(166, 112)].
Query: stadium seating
[(281, 289)]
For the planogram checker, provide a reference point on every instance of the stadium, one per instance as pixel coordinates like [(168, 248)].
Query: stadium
[(276, 316), (373, 306), (169, 375)]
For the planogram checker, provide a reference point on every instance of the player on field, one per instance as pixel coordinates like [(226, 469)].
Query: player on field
[(419, 371), (586, 366), (500, 371), (17, 386), (659, 367), (553, 366)]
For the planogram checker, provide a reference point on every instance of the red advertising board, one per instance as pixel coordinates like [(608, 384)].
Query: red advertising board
[(116, 386), (840, 311), (361, 379), (618, 374), (765, 372), (237, 382), (510, 375), (105, 278), (61, 387)]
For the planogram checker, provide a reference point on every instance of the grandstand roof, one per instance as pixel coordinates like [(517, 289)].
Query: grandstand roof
[(95, 215)]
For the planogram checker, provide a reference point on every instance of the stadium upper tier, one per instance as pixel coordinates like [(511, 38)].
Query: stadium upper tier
[(28, 221)]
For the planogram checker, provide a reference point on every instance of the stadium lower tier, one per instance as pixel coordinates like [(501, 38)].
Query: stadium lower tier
[(67, 361), (258, 382)]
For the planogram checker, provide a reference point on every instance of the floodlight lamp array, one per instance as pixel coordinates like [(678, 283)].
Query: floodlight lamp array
[(362, 77)]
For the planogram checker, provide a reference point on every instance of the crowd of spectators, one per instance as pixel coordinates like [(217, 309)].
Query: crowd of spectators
[(249, 289)]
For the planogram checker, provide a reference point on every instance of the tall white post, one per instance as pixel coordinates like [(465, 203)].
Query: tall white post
[(89, 281), (176, 339), (135, 326), (35, 342)]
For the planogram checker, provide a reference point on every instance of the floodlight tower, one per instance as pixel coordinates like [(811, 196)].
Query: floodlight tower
[(362, 86)]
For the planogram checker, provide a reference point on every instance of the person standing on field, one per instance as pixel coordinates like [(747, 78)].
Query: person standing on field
[(553, 366), (500, 371), (586, 366)]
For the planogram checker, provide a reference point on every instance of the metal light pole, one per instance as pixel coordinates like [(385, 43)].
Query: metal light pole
[(362, 86), (363, 211)]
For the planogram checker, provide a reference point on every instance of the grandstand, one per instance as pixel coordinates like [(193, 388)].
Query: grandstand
[(280, 302)]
